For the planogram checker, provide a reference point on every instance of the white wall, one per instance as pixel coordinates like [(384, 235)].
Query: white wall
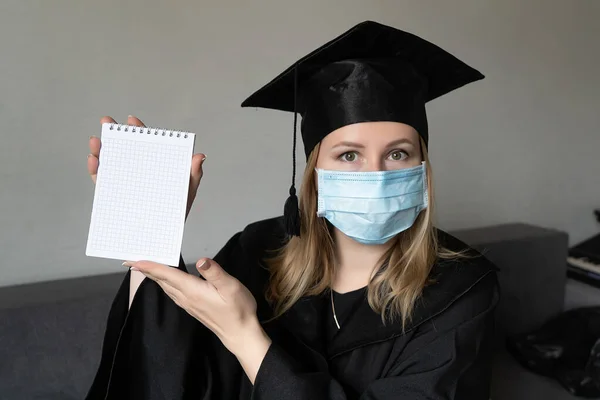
[(519, 146)]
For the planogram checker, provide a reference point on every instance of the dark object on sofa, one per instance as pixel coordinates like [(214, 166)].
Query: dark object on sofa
[(566, 348), (583, 262)]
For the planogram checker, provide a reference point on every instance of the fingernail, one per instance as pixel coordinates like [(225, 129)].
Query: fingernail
[(204, 265), (128, 264), (130, 116), (92, 136), (89, 155), (203, 158)]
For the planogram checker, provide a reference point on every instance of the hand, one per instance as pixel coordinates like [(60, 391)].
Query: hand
[(220, 302), (195, 172)]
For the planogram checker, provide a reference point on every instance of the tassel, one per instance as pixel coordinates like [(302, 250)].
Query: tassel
[(291, 214)]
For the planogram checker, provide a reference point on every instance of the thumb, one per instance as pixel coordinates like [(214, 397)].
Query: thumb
[(212, 272), (196, 170)]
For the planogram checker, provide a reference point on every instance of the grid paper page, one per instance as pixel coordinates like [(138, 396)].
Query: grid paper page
[(141, 194)]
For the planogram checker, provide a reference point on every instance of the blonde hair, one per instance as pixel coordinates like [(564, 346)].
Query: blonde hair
[(305, 265)]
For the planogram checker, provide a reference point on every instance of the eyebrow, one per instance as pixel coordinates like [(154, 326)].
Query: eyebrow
[(361, 146)]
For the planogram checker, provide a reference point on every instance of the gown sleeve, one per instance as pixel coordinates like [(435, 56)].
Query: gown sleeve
[(448, 357), (155, 350)]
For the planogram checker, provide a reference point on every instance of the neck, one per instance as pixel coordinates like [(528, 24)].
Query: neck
[(355, 262)]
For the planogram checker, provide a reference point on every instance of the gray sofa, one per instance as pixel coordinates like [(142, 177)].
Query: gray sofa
[(51, 333)]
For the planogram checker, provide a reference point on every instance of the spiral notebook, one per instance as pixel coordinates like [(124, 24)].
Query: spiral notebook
[(141, 194)]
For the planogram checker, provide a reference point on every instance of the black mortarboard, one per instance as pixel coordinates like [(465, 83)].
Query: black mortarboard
[(372, 72)]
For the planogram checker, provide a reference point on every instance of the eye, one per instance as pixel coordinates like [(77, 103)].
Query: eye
[(398, 155), (350, 156)]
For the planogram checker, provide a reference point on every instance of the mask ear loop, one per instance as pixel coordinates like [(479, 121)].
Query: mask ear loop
[(425, 181), (291, 212)]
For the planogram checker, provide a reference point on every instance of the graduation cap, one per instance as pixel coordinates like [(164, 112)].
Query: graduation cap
[(372, 72)]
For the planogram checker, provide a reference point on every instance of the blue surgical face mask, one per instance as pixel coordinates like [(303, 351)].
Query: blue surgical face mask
[(372, 207)]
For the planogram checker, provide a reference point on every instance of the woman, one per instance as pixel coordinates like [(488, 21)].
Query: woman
[(355, 295)]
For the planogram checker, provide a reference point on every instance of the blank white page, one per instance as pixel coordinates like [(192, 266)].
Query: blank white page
[(141, 194)]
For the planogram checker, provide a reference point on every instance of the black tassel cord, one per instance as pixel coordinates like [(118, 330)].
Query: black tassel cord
[(291, 212)]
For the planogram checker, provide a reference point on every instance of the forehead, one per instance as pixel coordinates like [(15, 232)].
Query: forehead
[(367, 133)]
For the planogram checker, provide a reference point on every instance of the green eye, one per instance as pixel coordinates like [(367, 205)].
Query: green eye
[(349, 157), (398, 155)]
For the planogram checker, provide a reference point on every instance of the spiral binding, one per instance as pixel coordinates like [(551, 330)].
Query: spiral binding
[(148, 130)]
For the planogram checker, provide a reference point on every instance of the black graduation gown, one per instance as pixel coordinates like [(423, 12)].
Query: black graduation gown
[(158, 351)]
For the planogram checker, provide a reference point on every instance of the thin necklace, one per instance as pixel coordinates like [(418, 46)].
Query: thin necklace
[(333, 309)]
